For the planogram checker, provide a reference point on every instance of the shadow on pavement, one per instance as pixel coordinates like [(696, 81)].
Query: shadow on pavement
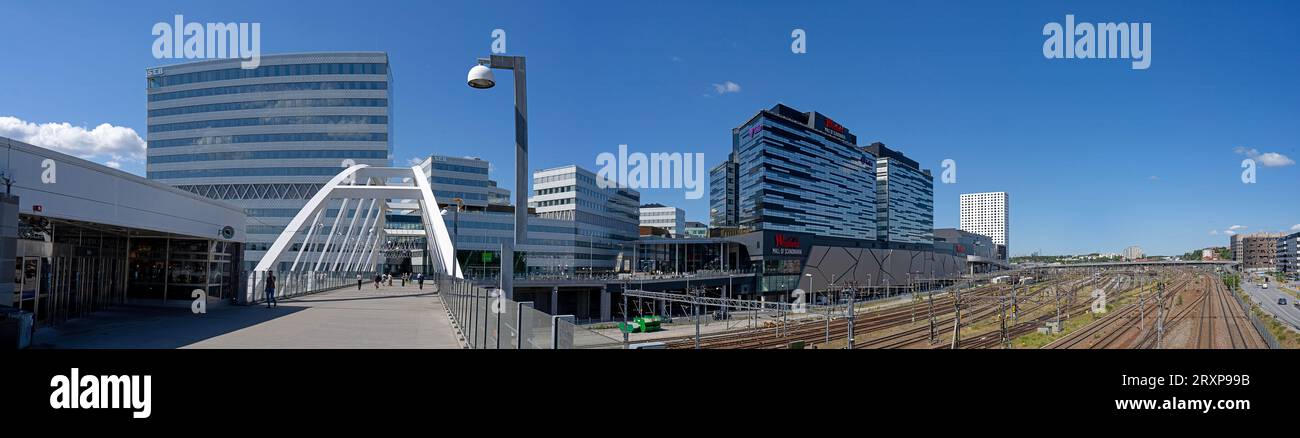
[(154, 327)]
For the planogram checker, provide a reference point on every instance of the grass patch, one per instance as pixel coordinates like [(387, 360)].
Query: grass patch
[(1039, 340), (1286, 337)]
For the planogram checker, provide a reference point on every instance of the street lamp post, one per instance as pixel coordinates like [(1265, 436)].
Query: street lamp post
[(455, 234), (481, 77)]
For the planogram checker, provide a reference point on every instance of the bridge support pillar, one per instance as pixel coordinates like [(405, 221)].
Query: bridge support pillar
[(604, 304), (507, 274), (555, 300)]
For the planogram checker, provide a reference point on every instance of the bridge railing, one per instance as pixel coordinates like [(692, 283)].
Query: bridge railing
[(617, 277), (292, 284), (486, 319)]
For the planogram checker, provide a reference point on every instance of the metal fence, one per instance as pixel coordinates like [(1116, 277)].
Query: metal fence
[(291, 284), (1255, 321), (487, 319)]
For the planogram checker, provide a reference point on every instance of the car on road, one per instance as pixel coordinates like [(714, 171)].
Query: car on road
[(1265, 285), (1281, 301)]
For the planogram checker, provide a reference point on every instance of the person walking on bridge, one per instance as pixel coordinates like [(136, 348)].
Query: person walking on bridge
[(270, 290), (420, 278), (358, 281)]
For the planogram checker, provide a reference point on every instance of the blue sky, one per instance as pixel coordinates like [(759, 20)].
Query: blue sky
[(1096, 156)]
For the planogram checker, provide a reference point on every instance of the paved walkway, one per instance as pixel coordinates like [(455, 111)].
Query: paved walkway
[(390, 317)]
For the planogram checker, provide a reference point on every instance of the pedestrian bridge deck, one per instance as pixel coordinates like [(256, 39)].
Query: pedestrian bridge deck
[(388, 317)]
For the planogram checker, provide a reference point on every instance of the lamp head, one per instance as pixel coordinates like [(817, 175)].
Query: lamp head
[(480, 76)]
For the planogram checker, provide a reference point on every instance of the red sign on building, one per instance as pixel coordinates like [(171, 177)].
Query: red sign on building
[(834, 126), (784, 241)]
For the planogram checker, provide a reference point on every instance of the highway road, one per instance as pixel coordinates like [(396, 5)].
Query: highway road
[(1267, 299)]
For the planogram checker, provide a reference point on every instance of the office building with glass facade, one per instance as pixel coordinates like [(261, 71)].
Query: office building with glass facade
[(662, 216), (266, 139), (588, 227), (723, 193), (482, 221), (1288, 254), (803, 172), (904, 199)]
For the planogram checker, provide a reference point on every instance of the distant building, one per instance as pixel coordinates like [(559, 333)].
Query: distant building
[(479, 224), (802, 172), (672, 219), (979, 251), (648, 231), (696, 229), (601, 222), (1288, 261), (904, 198), (1133, 253), (723, 192), (1259, 251), (987, 214)]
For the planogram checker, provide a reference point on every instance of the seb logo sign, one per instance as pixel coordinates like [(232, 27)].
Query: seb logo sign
[(786, 244)]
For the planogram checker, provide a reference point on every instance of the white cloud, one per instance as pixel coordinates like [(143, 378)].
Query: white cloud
[(1214, 232), (677, 59), (1274, 159), (105, 142), (1233, 229), (726, 87), (1295, 227), (1153, 178), (113, 163), (415, 161), (1268, 159)]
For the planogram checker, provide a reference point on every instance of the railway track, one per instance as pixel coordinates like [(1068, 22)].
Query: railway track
[(1108, 330), (993, 339), (1219, 321), (814, 330), (1223, 316)]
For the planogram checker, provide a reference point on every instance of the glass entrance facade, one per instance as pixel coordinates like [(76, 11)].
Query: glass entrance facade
[(69, 269)]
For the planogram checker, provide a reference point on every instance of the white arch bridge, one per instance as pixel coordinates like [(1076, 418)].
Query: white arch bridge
[(320, 251)]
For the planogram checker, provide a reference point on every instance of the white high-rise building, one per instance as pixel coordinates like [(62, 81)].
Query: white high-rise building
[(1133, 253), (672, 219), (266, 139), (986, 214)]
